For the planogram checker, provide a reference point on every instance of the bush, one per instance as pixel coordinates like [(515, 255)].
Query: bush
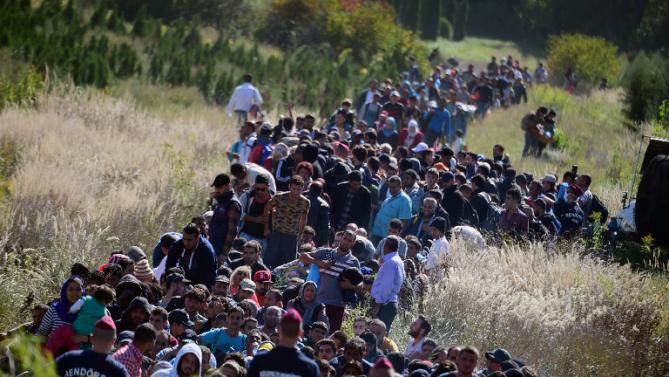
[(592, 58), (646, 82)]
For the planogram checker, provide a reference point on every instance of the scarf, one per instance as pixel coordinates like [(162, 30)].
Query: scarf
[(309, 307), (62, 306)]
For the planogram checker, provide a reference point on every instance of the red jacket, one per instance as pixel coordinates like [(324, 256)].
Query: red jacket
[(404, 133)]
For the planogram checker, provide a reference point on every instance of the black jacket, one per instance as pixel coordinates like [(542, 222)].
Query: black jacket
[(202, 268), (319, 218), (453, 202), (361, 205), (480, 203)]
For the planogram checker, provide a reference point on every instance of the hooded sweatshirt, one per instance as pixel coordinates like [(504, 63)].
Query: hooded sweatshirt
[(125, 322), (191, 348)]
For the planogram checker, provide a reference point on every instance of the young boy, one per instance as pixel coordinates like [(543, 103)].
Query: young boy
[(91, 308), (359, 325), (440, 245)]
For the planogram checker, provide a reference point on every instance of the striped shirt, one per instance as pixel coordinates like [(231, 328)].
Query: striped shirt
[(329, 292), (50, 322)]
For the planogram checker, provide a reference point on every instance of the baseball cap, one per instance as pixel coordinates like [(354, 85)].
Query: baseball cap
[(222, 279), (125, 337), (188, 336), (346, 101), (266, 128), (499, 355), (136, 253), (247, 285), (446, 176), (221, 180), (394, 93), (179, 316), (262, 276), (356, 132), (176, 277), (432, 104), (105, 323), (421, 147), (549, 178)]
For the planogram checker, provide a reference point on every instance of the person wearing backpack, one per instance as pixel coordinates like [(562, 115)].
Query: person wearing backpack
[(512, 220)]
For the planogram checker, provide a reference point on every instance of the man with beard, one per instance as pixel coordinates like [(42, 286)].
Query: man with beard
[(271, 319), (332, 262), (195, 255), (227, 211), (420, 224), (253, 203), (418, 330)]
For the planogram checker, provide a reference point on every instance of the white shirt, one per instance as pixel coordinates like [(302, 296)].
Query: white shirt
[(254, 170), (244, 96), (413, 347), (438, 252), (247, 147)]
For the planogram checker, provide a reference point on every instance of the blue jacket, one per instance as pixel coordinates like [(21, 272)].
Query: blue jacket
[(439, 122), (201, 268)]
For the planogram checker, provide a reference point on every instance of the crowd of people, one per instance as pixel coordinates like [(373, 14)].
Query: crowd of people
[(315, 239)]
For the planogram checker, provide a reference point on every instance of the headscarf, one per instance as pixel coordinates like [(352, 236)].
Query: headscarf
[(388, 131), (62, 306), (309, 307)]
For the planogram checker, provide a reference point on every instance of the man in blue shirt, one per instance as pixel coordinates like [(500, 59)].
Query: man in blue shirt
[(222, 341), (396, 206), (438, 120), (388, 281)]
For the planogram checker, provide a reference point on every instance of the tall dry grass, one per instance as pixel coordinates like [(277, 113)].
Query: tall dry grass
[(565, 313), (96, 174)]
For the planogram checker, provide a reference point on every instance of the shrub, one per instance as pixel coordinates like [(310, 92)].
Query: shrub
[(592, 58), (646, 82)]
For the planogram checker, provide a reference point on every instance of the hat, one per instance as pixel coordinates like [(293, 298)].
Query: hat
[(394, 93), (440, 166), (421, 147), (432, 104), (176, 277), (499, 355), (247, 285), (575, 189), (222, 279), (366, 271), (188, 336), (384, 113), (356, 132), (105, 323), (549, 178), (136, 253), (383, 363), (266, 346), (412, 124), (346, 101), (179, 316), (262, 276), (439, 223), (446, 176), (143, 271), (304, 132), (266, 128), (291, 316), (221, 180), (343, 146), (384, 158), (393, 166), (125, 337)]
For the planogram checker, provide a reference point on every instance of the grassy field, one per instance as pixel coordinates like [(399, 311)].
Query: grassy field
[(478, 51)]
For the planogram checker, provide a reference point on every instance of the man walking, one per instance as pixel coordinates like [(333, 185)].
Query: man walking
[(287, 212), (227, 211), (388, 281), (243, 99)]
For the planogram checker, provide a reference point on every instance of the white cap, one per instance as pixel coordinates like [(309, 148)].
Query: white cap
[(432, 104), (421, 147)]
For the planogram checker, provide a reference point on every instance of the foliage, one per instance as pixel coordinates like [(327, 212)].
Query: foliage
[(646, 82), (567, 313), (429, 19), (592, 58), (460, 17), (23, 88), (24, 354)]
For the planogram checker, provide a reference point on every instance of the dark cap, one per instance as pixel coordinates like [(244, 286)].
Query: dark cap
[(176, 277), (179, 316), (292, 316), (266, 129), (222, 279), (499, 355), (221, 180), (188, 336), (125, 337)]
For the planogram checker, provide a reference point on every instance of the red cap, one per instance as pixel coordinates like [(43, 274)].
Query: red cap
[(384, 113), (343, 146), (291, 316), (383, 363), (105, 323), (262, 276)]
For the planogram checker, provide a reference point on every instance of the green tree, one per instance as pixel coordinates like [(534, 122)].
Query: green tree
[(646, 83), (592, 58), (459, 20), (409, 11), (429, 19)]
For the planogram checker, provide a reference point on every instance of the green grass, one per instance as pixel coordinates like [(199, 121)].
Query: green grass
[(479, 50), (595, 139)]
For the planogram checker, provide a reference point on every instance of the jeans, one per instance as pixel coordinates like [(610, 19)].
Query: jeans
[(431, 137), (242, 116), (281, 249), (335, 315), (387, 313), (248, 237)]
